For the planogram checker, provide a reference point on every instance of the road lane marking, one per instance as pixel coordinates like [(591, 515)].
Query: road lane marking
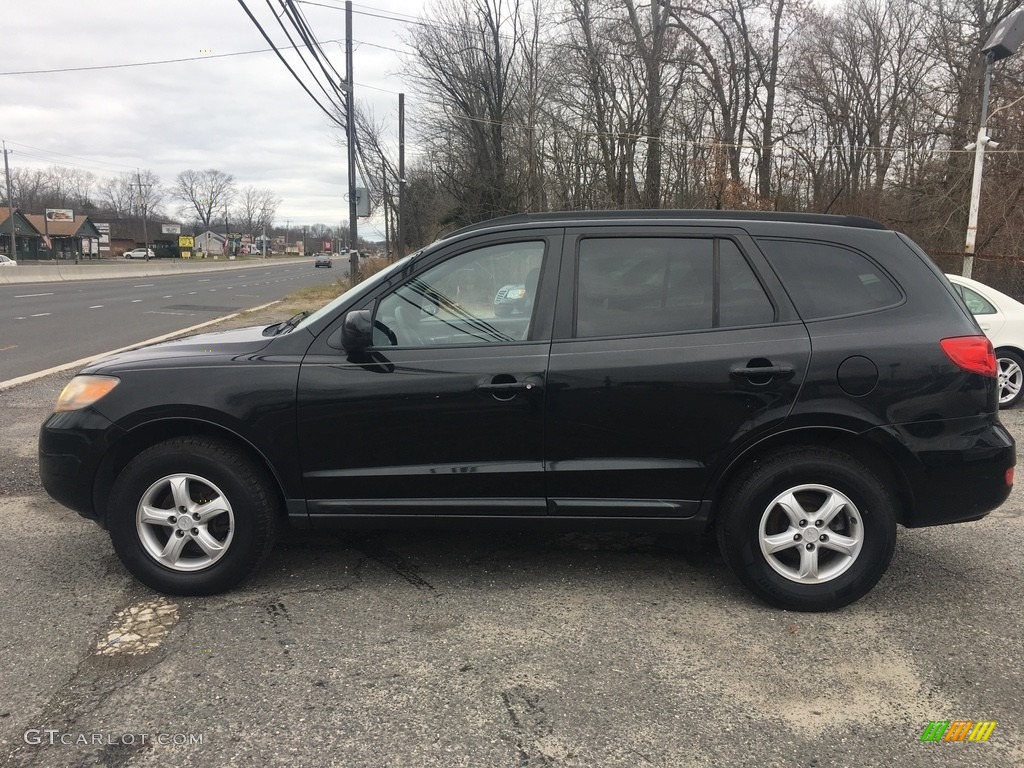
[(80, 363), (32, 295), (41, 314), (143, 285), (136, 301), (96, 306)]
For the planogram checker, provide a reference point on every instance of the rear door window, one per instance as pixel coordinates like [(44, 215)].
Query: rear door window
[(647, 285)]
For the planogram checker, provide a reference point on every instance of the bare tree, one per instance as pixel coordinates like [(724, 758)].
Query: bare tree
[(469, 67), (256, 209), (206, 193)]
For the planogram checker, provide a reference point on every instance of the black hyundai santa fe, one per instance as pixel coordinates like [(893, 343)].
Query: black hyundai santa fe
[(796, 385)]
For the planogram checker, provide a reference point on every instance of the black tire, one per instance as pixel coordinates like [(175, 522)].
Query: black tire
[(850, 551), (242, 523), (1011, 377)]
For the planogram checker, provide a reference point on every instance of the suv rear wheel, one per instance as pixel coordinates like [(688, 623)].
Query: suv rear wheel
[(192, 516), (808, 529)]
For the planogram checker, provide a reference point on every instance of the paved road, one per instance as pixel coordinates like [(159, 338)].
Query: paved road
[(43, 325), (490, 649)]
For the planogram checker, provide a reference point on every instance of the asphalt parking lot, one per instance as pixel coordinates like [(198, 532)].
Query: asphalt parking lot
[(493, 649)]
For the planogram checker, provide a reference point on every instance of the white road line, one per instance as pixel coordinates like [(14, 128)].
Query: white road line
[(32, 295), (168, 296), (204, 279), (143, 285), (192, 293), (79, 363), (136, 301), (96, 306), (41, 314)]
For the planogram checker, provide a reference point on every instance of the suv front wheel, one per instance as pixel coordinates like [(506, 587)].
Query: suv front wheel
[(808, 529), (192, 516)]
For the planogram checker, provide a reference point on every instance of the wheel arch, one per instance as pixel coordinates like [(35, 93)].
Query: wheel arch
[(880, 453), (146, 435)]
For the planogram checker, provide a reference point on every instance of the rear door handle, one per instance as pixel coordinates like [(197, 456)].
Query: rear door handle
[(761, 374)]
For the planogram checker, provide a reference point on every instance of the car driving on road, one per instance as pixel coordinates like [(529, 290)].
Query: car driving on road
[(794, 385), (140, 253)]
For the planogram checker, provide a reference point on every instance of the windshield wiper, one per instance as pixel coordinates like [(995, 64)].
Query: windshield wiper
[(288, 324)]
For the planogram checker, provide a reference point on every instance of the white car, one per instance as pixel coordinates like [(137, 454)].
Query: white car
[(1002, 319), (7, 262), (140, 253)]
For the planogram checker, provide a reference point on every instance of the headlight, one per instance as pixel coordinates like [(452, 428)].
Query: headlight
[(84, 390), (516, 293)]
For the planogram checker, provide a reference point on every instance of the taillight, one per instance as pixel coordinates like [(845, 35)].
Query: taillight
[(972, 353), (1009, 478)]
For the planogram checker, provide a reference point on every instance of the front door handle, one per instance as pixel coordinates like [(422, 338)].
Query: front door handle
[(505, 386), (509, 386)]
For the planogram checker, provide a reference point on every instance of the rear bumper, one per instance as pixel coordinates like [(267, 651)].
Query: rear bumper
[(956, 469)]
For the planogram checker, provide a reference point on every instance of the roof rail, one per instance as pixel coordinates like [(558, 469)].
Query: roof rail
[(568, 217)]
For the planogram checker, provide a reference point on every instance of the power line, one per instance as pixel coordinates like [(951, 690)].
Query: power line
[(133, 64), (288, 66)]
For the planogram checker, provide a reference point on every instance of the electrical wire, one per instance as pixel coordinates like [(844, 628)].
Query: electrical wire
[(284, 61)]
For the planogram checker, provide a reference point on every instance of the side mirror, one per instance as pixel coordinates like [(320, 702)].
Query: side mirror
[(357, 331)]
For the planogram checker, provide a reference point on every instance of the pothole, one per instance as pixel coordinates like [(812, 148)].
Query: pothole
[(139, 628)]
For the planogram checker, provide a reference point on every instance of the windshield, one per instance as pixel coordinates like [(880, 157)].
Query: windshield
[(369, 282)]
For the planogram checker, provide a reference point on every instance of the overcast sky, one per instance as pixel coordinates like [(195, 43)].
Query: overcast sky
[(244, 115)]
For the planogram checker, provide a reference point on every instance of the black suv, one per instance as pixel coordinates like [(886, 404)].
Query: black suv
[(797, 384)]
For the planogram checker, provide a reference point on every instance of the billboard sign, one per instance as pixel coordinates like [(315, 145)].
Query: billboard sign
[(60, 214), (170, 229)]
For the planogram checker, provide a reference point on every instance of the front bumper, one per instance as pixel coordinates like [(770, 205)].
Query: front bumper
[(72, 445)]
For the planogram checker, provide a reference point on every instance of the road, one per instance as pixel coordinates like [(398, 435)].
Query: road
[(450, 649), (43, 325)]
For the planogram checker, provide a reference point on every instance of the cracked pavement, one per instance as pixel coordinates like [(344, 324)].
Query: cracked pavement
[(500, 648)]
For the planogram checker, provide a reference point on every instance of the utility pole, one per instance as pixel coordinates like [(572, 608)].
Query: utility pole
[(287, 226), (400, 250), (10, 204), (142, 207), (350, 133)]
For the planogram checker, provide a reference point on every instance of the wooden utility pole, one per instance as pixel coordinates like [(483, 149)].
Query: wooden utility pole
[(400, 250), (350, 133), (10, 204)]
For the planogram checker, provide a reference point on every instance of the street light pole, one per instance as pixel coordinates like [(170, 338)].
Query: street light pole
[(979, 165), (1004, 41)]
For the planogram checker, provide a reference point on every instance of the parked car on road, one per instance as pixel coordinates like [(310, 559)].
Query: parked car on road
[(323, 260), (796, 385), (6, 261), (1001, 317), (140, 253)]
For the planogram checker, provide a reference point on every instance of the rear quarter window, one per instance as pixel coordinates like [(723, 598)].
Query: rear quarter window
[(829, 280)]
